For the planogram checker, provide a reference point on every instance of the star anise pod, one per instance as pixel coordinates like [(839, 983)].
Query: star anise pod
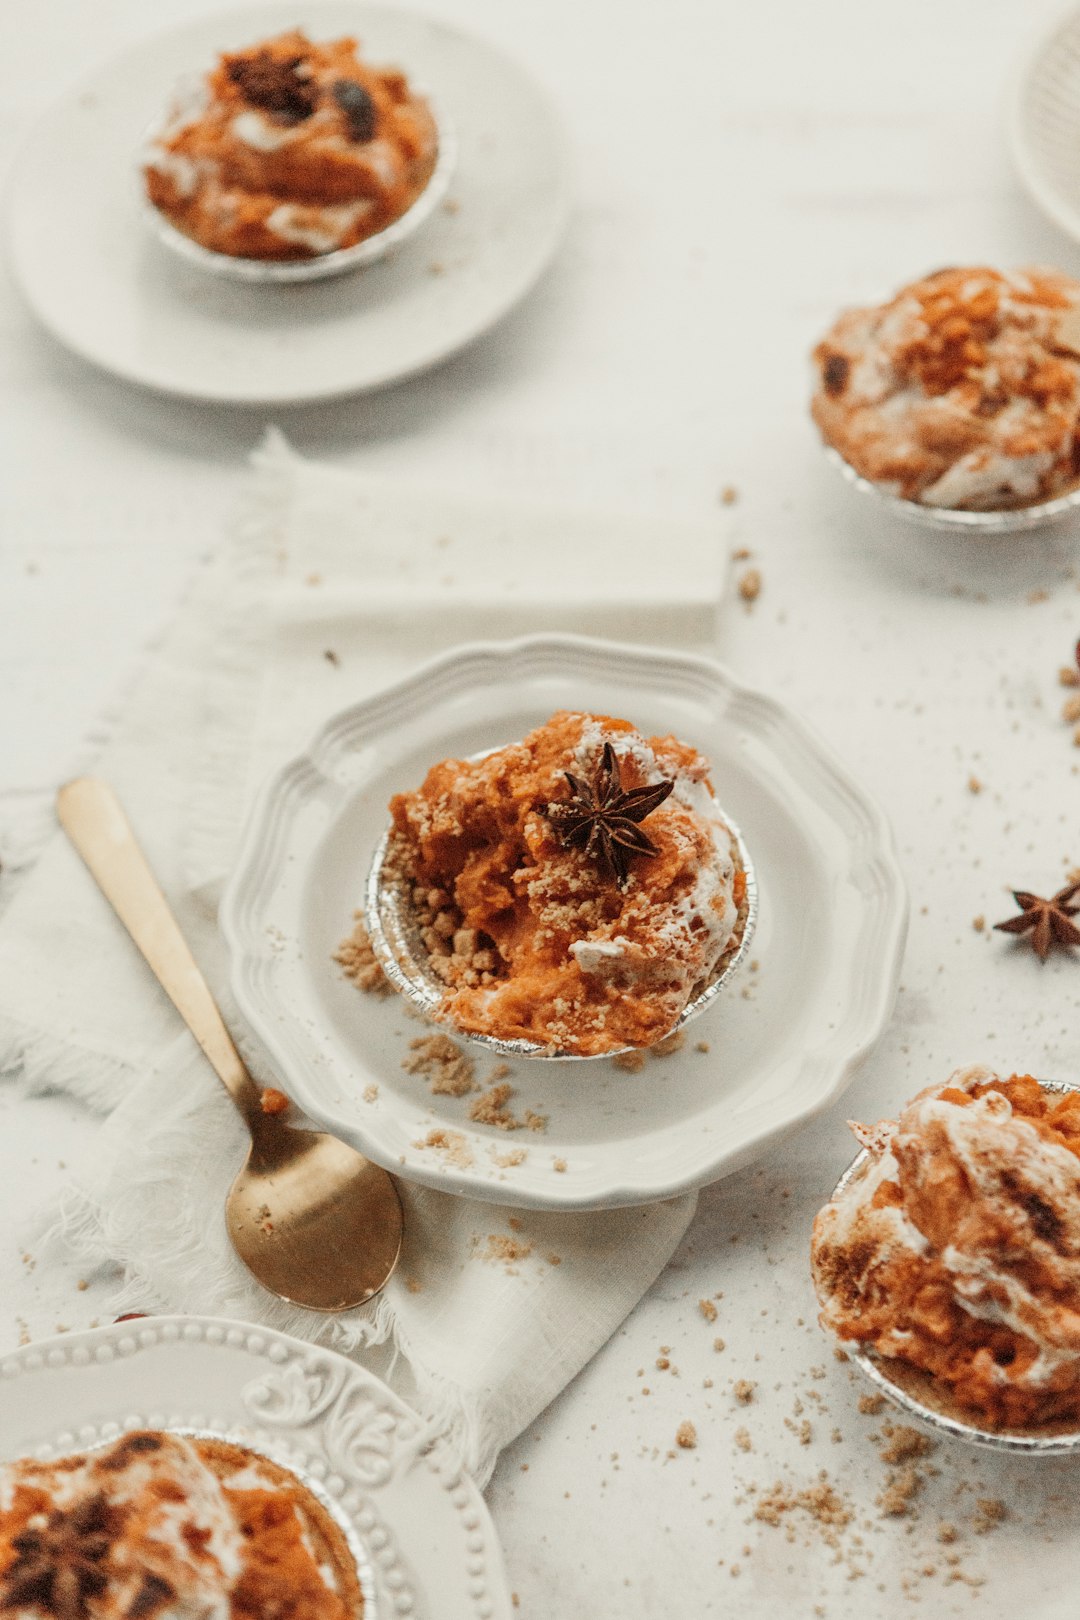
[(61, 1564), (274, 85), (602, 820), (1050, 921)]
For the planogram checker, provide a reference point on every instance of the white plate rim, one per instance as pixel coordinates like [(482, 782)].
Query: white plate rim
[(300, 1403), (825, 1073), (234, 393)]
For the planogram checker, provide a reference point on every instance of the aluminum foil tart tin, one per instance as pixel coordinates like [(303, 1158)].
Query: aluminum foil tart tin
[(915, 1392), (396, 942), (318, 268), (1005, 520)]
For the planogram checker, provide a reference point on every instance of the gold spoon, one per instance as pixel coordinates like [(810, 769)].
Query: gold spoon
[(313, 1221)]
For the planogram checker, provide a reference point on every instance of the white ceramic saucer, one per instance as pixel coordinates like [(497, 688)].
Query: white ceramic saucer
[(828, 942), (422, 1523), (99, 282)]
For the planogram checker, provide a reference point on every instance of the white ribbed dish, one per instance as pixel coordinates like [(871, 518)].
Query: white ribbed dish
[(1044, 122), (1030, 1443)]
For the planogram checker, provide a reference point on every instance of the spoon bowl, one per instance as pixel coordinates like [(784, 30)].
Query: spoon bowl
[(313, 1220)]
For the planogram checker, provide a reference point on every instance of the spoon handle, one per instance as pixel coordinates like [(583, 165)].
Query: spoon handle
[(93, 819)]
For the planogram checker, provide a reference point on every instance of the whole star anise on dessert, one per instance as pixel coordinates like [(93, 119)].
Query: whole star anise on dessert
[(273, 85), (1049, 921), (60, 1564), (602, 820)]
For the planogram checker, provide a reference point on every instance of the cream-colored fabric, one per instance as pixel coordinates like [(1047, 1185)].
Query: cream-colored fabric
[(381, 577)]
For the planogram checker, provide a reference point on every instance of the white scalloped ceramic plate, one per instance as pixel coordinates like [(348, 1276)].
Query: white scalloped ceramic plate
[(97, 279), (783, 1041), (1044, 122), (422, 1522)]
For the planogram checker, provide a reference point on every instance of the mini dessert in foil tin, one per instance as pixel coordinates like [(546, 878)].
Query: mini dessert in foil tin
[(957, 402), (172, 1524), (579, 893), (947, 1262), (293, 161)]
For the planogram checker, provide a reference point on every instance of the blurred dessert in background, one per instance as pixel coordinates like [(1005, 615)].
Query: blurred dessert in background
[(954, 1253), (290, 150), (963, 391)]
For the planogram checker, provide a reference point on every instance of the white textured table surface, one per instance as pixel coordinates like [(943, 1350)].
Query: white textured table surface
[(742, 171)]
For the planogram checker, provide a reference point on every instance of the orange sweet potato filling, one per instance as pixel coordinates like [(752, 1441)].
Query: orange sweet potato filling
[(914, 1294), (314, 168), (476, 831)]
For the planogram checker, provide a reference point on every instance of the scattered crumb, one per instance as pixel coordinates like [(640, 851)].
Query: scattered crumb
[(670, 1043), (1069, 675), (1070, 710), (702, 1046), (707, 1309), (492, 1108), (871, 1405), (946, 1532), (1038, 596), (371, 1093), (412, 1285), (728, 495), (742, 1440), (978, 923), (750, 585), (505, 1249), (974, 785), (821, 1501), (990, 1512), (331, 657), (553, 1259), (82, 1285), (508, 1161), (559, 1165), (451, 1143), (358, 959), (744, 1391), (903, 1442), (630, 1062), (449, 1071), (686, 1435), (718, 1344), (273, 1101), (900, 1491)]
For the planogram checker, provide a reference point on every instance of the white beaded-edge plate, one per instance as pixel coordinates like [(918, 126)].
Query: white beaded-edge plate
[(422, 1523), (783, 1041), (1045, 123), (99, 281)]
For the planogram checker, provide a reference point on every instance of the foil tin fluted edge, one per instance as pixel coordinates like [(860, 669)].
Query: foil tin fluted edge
[(1016, 1442), (959, 520), (287, 272), (401, 957)]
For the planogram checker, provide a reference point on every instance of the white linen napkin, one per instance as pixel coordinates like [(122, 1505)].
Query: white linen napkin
[(332, 584)]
